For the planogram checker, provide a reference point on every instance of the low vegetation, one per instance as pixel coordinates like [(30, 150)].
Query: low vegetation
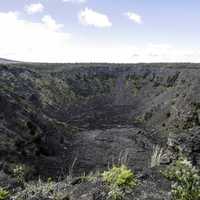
[(4, 194), (185, 180), (157, 156), (42, 190), (19, 173), (120, 180)]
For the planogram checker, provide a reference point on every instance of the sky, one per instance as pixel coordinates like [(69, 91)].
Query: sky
[(117, 31)]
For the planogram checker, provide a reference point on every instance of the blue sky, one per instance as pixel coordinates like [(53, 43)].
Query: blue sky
[(100, 30)]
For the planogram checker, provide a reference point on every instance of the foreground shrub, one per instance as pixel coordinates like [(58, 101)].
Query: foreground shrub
[(157, 156), (120, 180), (42, 190), (19, 172), (4, 194), (186, 180)]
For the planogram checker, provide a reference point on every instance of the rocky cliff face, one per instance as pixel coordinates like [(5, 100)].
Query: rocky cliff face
[(55, 116)]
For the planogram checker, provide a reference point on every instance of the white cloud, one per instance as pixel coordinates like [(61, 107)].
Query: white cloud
[(34, 8), (75, 1), (28, 41), (136, 18), (89, 17), (51, 23), (45, 41)]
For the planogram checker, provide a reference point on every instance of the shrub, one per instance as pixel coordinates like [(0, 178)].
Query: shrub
[(186, 180), (19, 173), (157, 156), (4, 194), (120, 180), (92, 177), (42, 190)]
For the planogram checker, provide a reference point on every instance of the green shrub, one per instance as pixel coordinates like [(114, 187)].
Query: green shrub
[(186, 180), (4, 194), (43, 190), (120, 180), (19, 172)]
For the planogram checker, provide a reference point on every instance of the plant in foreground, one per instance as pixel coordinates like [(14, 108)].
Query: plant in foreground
[(4, 194), (42, 190), (120, 180), (157, 156), (185, 178), (19, 172)]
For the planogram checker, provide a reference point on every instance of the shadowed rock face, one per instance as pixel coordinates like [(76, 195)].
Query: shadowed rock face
[(53, 116)]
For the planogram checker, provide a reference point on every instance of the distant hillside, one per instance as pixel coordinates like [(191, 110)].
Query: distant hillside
[(3, 61)]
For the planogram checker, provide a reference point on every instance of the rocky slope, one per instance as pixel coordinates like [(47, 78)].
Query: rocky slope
[(59, 118)]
